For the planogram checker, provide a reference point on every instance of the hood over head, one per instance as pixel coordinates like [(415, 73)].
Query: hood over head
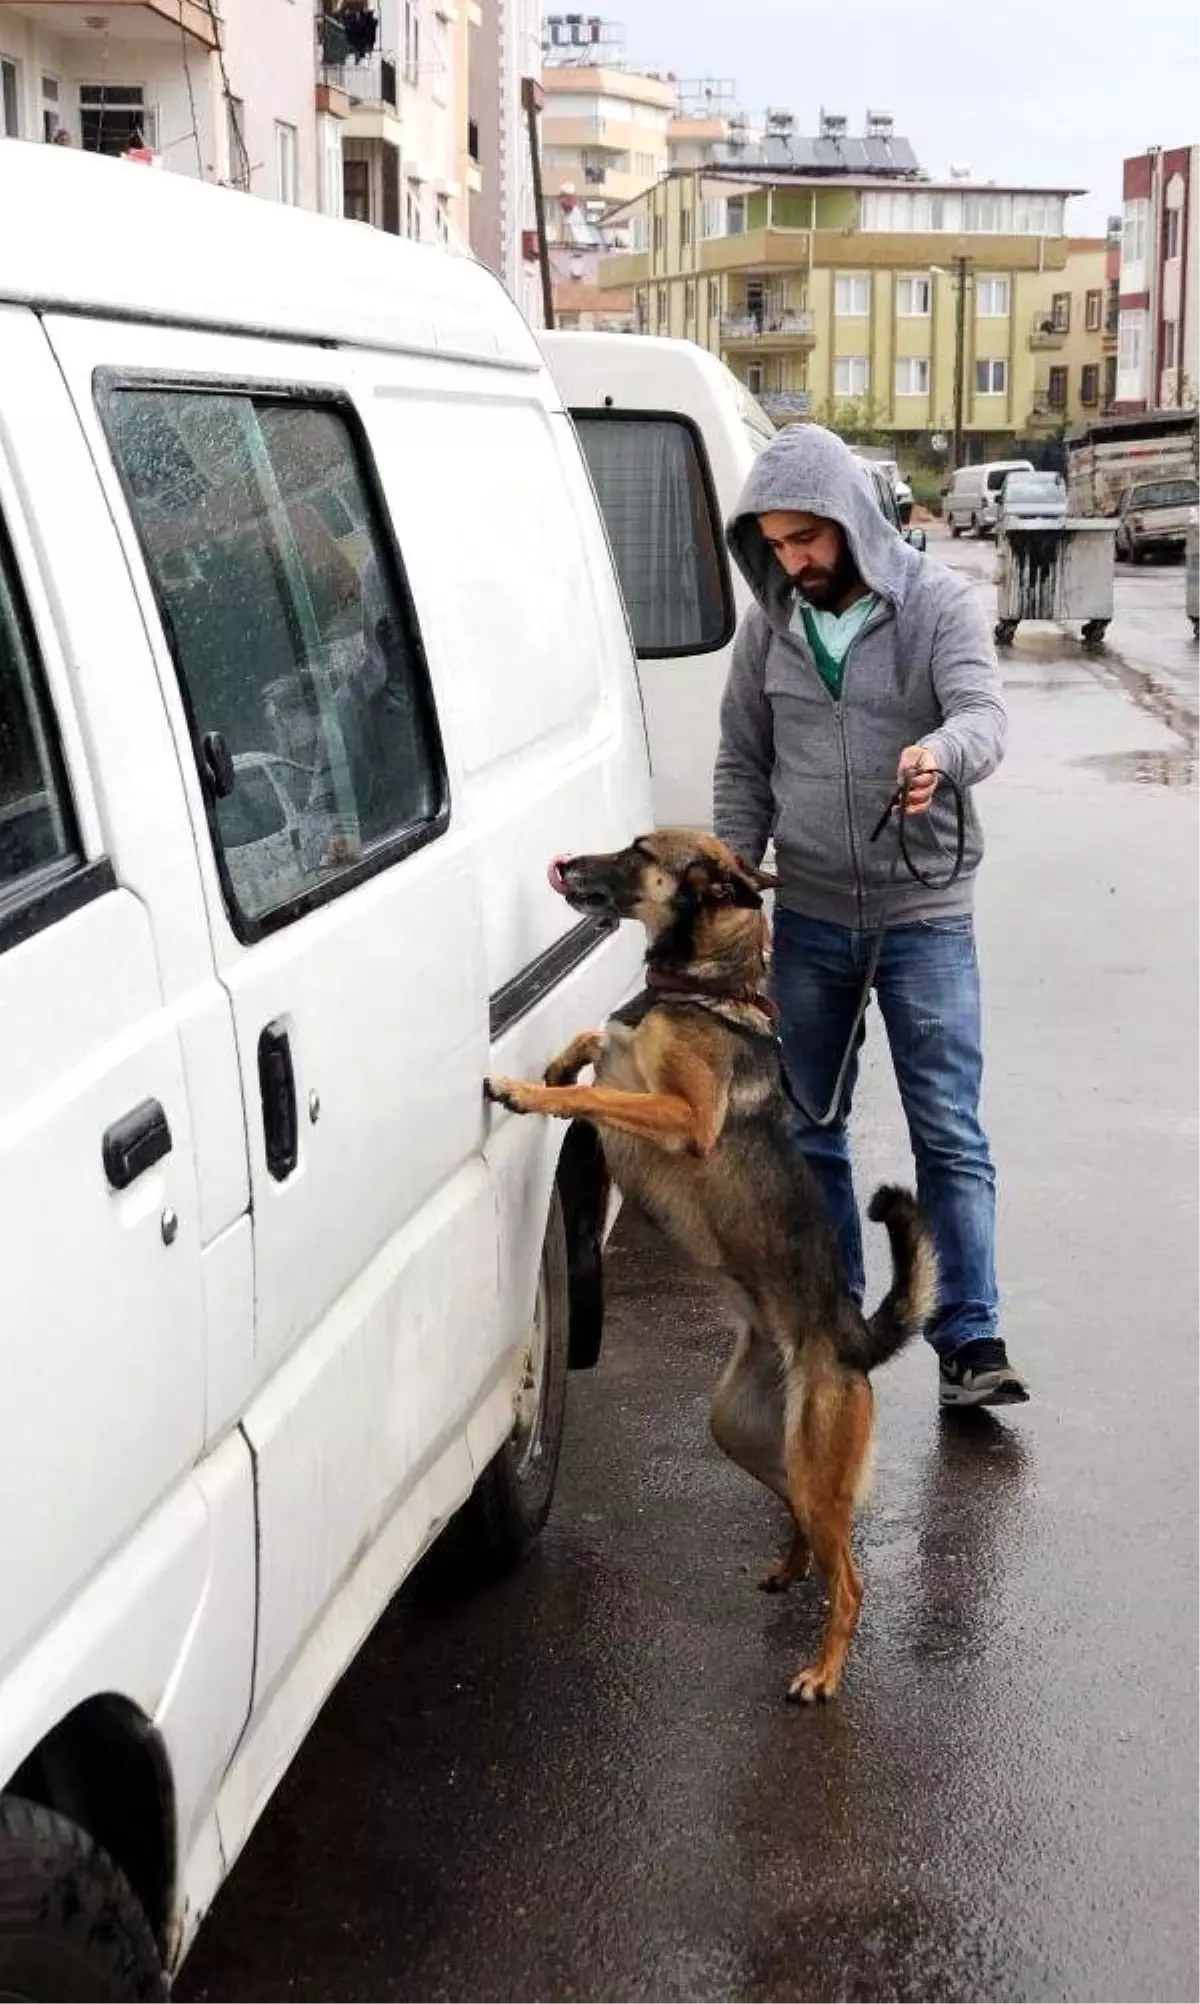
[(809, 471)]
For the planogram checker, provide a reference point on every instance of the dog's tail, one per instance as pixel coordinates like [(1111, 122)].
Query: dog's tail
[(913, 1295)]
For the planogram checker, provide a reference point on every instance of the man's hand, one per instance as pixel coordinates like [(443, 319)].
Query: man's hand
[(920, 768)]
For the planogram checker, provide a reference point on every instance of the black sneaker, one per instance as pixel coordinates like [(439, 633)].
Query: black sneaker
[(979, 1374)]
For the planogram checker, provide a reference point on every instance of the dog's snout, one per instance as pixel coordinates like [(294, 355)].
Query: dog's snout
[(557, 876)]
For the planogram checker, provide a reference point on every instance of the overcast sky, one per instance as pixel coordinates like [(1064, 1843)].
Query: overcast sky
[(1049, 91)]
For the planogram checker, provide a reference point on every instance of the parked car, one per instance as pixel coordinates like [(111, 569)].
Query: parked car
[(296, 541), (1033, 497), (973, 496), (1152, 518), (888, 501)]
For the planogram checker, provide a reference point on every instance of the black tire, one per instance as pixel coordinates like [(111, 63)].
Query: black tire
[(503, 1517), (955, 531), (1136, 554), (71, 1926)]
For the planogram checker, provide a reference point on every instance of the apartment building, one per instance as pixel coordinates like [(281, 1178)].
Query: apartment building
[(1158, 335), (839, 290), (604, 127)]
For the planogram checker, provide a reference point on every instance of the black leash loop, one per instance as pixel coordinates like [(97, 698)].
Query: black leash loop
[(903, 859)]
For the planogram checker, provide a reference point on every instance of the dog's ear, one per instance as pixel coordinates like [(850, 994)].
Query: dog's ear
[(708, 883), (761, 879)]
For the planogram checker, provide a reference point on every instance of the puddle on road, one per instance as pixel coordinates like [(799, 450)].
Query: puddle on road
[(1143, 768)]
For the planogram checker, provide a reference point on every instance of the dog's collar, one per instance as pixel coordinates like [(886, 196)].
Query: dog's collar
[(698, 990)]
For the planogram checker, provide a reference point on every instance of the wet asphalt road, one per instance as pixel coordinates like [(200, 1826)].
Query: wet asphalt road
[(585, 1783)]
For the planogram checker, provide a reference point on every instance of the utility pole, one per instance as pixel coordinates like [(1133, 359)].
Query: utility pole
[(960, 340), (531, 104)]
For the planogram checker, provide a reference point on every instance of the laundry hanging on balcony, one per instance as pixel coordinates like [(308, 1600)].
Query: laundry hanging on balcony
[(362, 29)]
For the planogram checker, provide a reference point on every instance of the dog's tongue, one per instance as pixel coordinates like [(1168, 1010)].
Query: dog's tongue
[(557, 881)]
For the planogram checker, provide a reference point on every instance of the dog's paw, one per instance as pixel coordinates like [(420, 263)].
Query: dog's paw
[(777, 1578), (809, 1685), (504, 1092)]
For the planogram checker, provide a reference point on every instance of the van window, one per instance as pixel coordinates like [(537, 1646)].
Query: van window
[(296, 647), (656, 494), (38, 843)]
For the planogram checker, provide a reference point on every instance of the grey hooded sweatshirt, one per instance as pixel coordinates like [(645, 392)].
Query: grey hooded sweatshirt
[(815, 773)]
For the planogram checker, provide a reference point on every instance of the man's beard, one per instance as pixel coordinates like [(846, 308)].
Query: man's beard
[(825, 586)]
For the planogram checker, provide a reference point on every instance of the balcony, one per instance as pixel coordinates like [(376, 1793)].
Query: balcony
[(1046, 332), (371, 93), (779, 404), (768, 333), (131, 20)]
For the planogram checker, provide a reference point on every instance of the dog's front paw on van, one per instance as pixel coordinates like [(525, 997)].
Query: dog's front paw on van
[(506, 1092)]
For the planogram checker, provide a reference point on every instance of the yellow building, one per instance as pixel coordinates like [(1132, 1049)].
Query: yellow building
[(604, 132), (839, 297)]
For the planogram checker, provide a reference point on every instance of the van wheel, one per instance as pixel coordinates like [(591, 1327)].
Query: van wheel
[(976, 530), (503, 1516), (956, 530), (70, 1925)]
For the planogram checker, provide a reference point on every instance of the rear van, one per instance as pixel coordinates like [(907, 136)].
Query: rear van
[(311, 655), (973, 496), (670, 436)]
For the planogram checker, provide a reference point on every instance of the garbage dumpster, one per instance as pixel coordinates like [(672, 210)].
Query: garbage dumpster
[(1058, 571), (1193, 572)]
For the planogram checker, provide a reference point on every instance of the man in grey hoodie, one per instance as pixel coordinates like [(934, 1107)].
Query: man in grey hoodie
[(864, 663)]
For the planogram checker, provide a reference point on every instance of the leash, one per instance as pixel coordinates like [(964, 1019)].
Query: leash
[(902, 860)]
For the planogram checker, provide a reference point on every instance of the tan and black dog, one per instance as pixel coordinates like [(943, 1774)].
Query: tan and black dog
[(691, 1107)]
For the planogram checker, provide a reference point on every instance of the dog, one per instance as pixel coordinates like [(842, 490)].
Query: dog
[(691, 1106)]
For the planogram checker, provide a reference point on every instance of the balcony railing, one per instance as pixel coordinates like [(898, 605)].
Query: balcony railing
[(786, 403), (1047, 332), (763, 326), (372, 82)]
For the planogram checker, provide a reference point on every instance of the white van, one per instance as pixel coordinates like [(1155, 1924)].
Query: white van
[(670, 436), (311, 654), (973, 496)]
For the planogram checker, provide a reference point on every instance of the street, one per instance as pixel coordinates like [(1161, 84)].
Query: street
[(585, 1783)]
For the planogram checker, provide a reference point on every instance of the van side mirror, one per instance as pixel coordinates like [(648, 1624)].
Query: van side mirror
[(915, 537)]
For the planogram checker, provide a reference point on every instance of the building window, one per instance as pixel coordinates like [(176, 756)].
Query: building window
[(412, 210), (735, 216), (852, 295), (712, 219), (1110, 381), (1093, 312), (443, 219), (913, 296), (664, 317), (441, 59), (991, 377), (1170, 345), (912, 376), (714, 298), (992, 298), (356, 190), (473, 140), (10, 99), (285, 163), (639, 233), (1171, 246), (659, 234), (1060, 312), (114, 117), (755, 378), (1133, 236), (1112, 306), (685, 229), (412, 42), (689, 302), (851, 376), (641, 312), (50, 107), (1056, 394), (1129, 343), (1089, 387)]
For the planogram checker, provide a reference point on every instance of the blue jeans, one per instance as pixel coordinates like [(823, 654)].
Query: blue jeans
[(927, 987)]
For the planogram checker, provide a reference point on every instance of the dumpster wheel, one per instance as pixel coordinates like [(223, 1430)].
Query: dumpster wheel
[(1005, 632), (1094, 631)]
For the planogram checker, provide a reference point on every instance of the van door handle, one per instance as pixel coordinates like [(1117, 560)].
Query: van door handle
[(277, 1083), (135, 1142)]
